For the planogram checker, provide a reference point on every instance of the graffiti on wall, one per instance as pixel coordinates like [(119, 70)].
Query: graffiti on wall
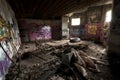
[(9, 37), (74, 32), (4, 29), (32, 30), (92, 29), (105, 33), (40, 33), (14, 32), (10, 41)]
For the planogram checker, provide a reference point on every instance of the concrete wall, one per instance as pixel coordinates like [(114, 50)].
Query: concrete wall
[(78, 31), (31, 29), (92, 16), (65, 26), (114, 40), (9, 37)]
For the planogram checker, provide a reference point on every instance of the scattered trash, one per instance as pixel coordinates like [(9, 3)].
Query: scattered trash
[(59, 61)]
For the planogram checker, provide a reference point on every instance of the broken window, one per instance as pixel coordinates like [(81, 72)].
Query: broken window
[(108, 16), (75, 21)]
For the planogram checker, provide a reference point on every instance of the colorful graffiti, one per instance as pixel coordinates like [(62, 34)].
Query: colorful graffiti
[(78, 31), (105, 33), (4, 29), (9, 37), (32, 30), (74, 32), (94, 31), (40, 33)]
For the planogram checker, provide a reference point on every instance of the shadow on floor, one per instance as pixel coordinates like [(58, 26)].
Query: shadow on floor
[(114, 61)]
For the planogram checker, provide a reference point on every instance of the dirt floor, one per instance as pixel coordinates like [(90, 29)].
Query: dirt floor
[(56, 60)]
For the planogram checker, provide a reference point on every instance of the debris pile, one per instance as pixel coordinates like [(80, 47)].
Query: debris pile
[(59, 61)]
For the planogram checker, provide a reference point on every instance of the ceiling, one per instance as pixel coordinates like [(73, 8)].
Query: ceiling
[(46, 9)]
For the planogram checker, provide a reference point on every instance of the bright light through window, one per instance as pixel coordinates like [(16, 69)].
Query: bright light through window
[(108, 16), (75, 21)]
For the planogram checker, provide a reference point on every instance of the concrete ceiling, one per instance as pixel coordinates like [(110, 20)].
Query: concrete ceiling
[(46, 9), (99, 3)]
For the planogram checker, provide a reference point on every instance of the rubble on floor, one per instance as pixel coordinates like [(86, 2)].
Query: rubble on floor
[(60, 60)]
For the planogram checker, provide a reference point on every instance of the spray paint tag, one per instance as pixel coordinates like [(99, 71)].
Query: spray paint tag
[(2, 54)]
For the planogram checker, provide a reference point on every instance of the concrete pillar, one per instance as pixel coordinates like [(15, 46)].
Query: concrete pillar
[(114, 39)]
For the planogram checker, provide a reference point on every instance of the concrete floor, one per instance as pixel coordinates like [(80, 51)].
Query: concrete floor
[(44, 64)]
